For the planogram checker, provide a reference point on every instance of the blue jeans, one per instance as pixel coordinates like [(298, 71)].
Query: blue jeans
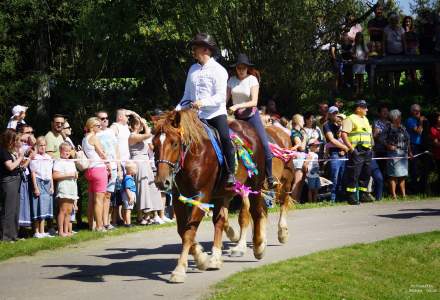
[(255, 121), (336, 174), (377, 179)]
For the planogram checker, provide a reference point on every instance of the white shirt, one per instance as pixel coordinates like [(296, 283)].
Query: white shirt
[(90, 152), (313, 169), (241, 89), (42, 166), (122, 136), (108, 140), (207, 83)]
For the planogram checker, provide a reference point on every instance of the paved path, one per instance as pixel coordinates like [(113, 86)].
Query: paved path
[(137, 266)]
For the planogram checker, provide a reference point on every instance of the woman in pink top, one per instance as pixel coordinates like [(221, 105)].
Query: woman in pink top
[(435, 137)]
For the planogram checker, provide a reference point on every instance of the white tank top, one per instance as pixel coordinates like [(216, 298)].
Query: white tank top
[(90, 152), (122, 136)]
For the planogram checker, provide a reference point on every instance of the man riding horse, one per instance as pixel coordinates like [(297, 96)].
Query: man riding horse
[(205, 89)]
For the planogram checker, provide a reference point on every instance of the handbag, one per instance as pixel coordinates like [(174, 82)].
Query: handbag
[(82, 163), (245, 113)]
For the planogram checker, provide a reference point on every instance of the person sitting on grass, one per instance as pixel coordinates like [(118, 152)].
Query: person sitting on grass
[(65, 174), (129, 192), (42, 181)]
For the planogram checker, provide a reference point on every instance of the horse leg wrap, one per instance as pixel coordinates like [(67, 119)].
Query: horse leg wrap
[(215, 263)]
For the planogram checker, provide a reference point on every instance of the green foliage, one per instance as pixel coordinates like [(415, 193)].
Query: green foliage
[(76, 56)]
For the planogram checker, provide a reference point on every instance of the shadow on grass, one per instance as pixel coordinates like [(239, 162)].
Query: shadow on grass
[(413, 213)]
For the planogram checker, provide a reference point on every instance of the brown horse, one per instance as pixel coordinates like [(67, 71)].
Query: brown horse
[(283, 172), (187, 165)]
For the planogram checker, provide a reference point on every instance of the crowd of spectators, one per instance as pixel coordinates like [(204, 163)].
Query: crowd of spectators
[(390, 35), (39, 178), (400, 151)]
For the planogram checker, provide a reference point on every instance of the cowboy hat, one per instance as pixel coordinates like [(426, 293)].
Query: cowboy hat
[(205, 40), (242, 59)]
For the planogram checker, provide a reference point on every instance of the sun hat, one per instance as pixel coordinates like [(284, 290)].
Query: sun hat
[(242, 59), (17, 110), (333, 109)]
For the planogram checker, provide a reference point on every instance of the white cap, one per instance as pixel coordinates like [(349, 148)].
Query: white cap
[(333, 109), (17, 110)]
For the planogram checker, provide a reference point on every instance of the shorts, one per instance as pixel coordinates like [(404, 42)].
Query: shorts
[(112, 181), (97, 178), (125, 202), (314, 183)]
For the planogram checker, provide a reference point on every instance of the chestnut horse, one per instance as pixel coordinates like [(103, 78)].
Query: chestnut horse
[(187, 165), (283, 172)]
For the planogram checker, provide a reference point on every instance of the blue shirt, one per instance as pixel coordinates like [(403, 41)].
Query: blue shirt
[(415, 138), (128, 183)]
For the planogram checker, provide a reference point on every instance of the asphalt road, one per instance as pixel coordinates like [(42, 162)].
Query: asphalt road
[(137, 266)]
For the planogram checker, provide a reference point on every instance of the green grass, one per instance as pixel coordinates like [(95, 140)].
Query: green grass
[(31, 246), (406, 267)]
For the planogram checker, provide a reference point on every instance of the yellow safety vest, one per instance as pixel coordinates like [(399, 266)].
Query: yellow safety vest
[(361, 133)]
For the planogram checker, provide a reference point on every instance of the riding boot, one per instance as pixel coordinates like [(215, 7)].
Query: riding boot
[(230, 180)]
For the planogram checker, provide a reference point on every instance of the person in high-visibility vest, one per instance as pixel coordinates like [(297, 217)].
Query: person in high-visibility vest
[(357, 135)]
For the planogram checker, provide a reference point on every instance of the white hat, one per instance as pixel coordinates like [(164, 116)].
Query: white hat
[(17, 110), (333, 109)]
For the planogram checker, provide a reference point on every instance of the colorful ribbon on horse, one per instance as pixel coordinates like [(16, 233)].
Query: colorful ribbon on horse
[(243, 190), (244, 152), (192, 202), (285, 154)]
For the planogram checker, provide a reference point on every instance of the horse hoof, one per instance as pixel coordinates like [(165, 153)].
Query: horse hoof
[(202, 261), (237, 253), (232, 236), (177, 277), (215, 264), (260, 251), (283, 235)]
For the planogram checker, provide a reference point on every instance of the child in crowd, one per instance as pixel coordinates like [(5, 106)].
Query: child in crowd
[(41, 173), (65, 174), (360, 53), (128, 192), (312, 167), (18, 115)]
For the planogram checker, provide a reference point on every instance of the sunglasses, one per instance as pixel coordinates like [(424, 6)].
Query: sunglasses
[(97, 125), (28, 132), (104, 118), (59, 123), (67, 127)]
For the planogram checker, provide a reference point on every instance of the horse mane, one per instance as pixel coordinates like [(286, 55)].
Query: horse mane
[(185, 123)]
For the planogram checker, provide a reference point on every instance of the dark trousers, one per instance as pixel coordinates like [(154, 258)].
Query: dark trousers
[(377, 179), (418, 170), (221, 124), (357, 170), (9, 207), (255, 121)]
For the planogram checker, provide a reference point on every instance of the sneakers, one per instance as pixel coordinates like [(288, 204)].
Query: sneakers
[(109, 227), (38, 235), (167, 220), (52, 232), (158, 220)]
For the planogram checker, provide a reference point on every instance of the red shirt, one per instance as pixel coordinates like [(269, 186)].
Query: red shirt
[(435, 134)]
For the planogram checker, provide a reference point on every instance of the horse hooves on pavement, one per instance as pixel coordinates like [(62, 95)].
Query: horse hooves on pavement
[(283, 236), (177, 277), (237, 253), (215, 265)]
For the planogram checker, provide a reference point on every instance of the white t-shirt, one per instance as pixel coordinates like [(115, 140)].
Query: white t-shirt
[(122, 135), (67, 188), (108, 140), (313, 168), (42, 166), (241, 89)]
